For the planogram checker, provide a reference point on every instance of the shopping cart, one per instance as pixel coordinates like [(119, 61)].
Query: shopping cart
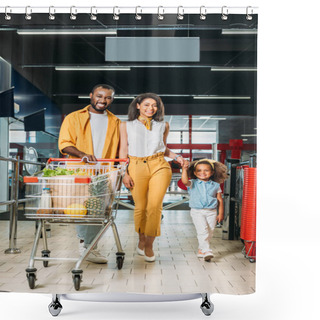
[(78, 192)]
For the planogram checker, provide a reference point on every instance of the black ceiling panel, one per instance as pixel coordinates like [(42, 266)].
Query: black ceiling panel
[(36, 56)]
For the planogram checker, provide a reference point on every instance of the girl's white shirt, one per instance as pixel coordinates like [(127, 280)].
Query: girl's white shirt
[(143, 142)]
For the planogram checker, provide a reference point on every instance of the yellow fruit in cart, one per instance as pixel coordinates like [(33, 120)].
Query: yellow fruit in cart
[(80, 173), (76, 209)]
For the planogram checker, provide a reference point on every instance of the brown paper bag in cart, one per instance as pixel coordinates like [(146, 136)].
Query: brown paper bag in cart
[(65, 192)]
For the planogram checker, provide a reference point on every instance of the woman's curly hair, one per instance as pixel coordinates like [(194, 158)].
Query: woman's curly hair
[(220, 171)]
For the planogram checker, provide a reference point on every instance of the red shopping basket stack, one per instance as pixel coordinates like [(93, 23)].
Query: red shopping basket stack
[(248, 212)]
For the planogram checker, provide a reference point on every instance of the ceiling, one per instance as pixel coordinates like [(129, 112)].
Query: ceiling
[(233, 93)]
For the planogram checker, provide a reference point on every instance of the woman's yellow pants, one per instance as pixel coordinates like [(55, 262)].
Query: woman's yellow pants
[(151, 176)]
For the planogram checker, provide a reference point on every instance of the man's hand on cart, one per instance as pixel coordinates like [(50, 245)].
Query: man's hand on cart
[(89, 158), (73, 151), (127, 181)]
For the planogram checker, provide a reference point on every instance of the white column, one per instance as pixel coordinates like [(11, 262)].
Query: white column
[(5, 83)]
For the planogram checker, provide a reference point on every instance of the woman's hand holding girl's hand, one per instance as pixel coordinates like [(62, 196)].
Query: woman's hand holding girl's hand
[(185, 164), (181, 161), (127, 181)]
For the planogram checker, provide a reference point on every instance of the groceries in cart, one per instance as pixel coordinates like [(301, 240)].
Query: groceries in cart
[(73, 189)]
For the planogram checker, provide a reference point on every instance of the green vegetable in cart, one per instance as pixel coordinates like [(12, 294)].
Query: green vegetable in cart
[(57, 172)]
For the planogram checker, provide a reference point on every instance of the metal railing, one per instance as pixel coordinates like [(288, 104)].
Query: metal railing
[(14, 202)]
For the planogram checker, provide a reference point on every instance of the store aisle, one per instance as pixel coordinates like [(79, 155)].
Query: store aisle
[(176, 270)]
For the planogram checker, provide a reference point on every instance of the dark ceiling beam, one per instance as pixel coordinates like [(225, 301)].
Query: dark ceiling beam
[(216, 50)]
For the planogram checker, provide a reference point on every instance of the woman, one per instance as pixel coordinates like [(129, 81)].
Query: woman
[(143, 139)]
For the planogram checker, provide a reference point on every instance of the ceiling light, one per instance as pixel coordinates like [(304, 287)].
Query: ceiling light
[(174, 95), (210, 118), (97, 68), (124, 97), (116, 97), (249, 135), (184, 95), (204, 118), (66, 31), (239, 31), (223, 97), (233, 69)]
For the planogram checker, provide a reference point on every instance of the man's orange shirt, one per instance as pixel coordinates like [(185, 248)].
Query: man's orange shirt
[(75, 131)]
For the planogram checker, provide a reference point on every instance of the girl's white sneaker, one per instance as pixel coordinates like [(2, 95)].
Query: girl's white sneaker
[(207, 256), (200, 254)]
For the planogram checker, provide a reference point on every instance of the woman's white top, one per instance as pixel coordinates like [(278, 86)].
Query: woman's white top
[(99, 127), (143, 142)]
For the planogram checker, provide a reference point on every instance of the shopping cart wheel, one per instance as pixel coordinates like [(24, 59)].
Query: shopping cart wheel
[(206, 306), (76, 281), (120, 262), (31, 280), (31, 276), (55, 306)]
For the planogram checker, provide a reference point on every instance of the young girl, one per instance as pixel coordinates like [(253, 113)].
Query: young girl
[(205, 197), (143, 138)]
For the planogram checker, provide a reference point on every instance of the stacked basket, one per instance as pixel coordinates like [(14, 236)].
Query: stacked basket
[(248, 213)]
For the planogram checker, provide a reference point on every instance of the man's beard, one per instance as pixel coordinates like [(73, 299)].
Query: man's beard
[(99, 110)]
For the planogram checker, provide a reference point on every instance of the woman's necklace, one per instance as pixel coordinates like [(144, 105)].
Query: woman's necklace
[(145, 121)]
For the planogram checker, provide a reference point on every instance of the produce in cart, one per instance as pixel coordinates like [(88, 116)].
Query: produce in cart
[(76, 193), (75, 209), (97, 190)]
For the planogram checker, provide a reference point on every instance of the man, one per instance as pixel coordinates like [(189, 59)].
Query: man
[(91, 132)]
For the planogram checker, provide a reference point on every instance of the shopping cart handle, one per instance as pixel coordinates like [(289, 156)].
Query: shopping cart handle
[(81, 160)]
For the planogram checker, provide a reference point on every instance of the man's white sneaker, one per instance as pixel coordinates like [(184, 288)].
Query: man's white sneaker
[(96, 257)]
